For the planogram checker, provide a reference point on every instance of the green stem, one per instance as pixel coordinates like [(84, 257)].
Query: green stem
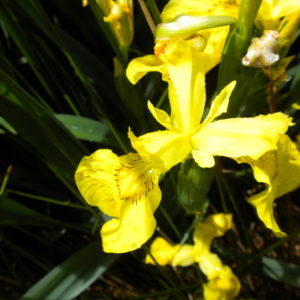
[(161, 270), (222, 194), (6, 177), (235, 205), (47, 200), (147, 16), (162, 98), (154, 11), (198, 218), (170, 221)]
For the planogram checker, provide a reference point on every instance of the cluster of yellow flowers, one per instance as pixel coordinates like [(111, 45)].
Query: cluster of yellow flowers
[(222, 283), (126, 187)]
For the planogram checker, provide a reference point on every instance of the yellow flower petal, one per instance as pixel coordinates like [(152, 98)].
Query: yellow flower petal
[(265, 169), (184, 256), (124, 187), (140, 66), (241, 136), (296, 105), (203, 158), (203, 236), (162, 251), (289, 25), (286, 179), (263, 202), (215, 37), (96, 181), (213, 226), (220, 222), (187, 88), (211, 265), (161, 116), (285, 7), (225, 287), (134, 227), (220, 104), (163, 149)]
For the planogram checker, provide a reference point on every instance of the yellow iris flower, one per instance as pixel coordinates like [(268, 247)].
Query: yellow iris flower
[(184, 255), (125, 188), (215, 37), (269, 17), (271, 12), (183, 68), (280, 170), (222, 284)]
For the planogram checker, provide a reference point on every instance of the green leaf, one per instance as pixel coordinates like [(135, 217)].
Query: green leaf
[(132, 98), (88, 129), (73, 276), (13, 213), (193, 185), (7, 126), (250, 82), (282, 271)]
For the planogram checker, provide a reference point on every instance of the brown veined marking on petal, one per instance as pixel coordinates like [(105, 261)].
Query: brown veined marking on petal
[(134, 180), (264, 162)]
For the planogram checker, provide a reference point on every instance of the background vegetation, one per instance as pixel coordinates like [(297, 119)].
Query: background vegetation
[(59, 101)]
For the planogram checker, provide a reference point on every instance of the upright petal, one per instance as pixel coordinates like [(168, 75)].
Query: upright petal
[(240, 137), (161, 117), (163, 149), (186, 69), (220, 104), (134, 227)]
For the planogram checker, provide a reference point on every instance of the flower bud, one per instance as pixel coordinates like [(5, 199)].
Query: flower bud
[(262, 51)]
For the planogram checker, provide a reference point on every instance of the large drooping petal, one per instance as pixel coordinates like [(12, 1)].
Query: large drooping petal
[(135, 225), (126, 188), (238, 137), (263, 202), (96, 181), (281, 171), (187, 84), (163, 149)]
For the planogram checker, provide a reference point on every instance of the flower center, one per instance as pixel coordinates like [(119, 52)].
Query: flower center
[(135, 178)]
